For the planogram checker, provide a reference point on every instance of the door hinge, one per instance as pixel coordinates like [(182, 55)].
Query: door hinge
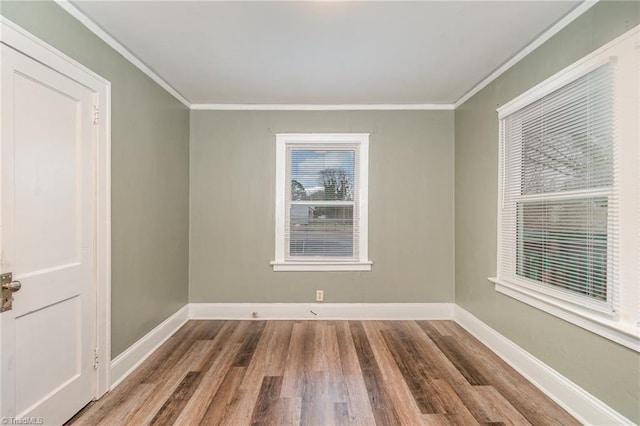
[(96, 359), (96, 114)]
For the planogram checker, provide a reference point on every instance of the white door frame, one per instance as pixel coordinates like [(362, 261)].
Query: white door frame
[(19, 39)]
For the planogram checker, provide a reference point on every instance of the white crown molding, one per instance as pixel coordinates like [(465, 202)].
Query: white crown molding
[(322, 311), (134, 355), (320, 107), (556, 28), (586, 408), (115, 45)]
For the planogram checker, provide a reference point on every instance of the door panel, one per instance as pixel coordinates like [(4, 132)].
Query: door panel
[(48, 239), (56, 370), (46, 198)]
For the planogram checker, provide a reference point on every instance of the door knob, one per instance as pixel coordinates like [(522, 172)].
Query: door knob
[(12, 286), (9, 286)]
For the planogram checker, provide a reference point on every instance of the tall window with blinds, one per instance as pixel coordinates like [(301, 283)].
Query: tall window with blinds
[(569, 194), (558, 205), (321, 202)]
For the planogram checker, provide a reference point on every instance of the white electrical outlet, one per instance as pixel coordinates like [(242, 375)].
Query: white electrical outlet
[(319, 295)]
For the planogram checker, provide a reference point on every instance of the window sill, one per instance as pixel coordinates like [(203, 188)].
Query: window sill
[(612, 329), (307, 266)]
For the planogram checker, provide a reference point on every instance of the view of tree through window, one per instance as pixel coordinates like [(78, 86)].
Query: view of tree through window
[(322, 203)]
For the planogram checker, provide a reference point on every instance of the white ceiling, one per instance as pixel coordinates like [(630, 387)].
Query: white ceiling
[(324, 52)]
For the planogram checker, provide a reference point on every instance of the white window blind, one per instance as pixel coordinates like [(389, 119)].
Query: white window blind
[(322, 206), (559, 209)]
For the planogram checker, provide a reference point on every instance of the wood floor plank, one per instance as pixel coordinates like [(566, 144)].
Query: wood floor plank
[(252, 337), (449, 403), (323, 373), (311, 356), (225, 350), (172, 379), (173, 406), (348, 357), (410, 365), (294, 366), (439, 366), (225, 397), (419, 368), (157, 374), (277, 338), (435, 420), (442, 326), (266, 409), (505, 413), (328, 362), (384, 410), (317, 401), (450, 348), (341, 414), (120, 413), (520, 393), (241, 410), (358, 404), (209, 328), (219, 344)]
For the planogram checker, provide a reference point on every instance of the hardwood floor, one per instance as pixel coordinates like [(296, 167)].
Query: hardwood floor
[(323, 373)]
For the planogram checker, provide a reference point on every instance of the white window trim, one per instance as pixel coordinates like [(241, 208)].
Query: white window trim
[(624, 327), (362, 263)]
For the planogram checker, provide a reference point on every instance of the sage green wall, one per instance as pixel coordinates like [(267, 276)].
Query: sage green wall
[(149, 176), (607, 370), (233, 202)]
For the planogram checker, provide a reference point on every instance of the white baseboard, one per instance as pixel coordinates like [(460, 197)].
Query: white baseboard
[(130, 359), (322, 311), (578, 402)]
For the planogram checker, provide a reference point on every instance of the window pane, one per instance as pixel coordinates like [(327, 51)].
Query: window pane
[(322, 175), (567, 136), (564, 244), (321, 231)]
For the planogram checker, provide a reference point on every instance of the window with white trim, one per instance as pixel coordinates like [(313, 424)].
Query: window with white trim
[(321, 202), (568, 194)]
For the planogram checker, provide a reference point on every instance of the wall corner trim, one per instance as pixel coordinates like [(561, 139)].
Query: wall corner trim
[(553, 30), (72, 10), (134, 355), (578, 402)]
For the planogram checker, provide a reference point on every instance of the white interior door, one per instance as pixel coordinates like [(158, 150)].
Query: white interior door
[(47, 237)]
